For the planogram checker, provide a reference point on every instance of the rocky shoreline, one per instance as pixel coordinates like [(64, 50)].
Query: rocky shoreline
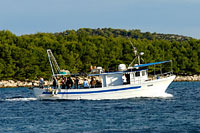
[(13, 83), (187, 78)]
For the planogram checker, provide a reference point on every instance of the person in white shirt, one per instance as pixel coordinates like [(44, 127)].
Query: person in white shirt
[(124, 79), (42, 83)]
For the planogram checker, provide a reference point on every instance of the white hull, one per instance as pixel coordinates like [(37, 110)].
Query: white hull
[(153, 88)]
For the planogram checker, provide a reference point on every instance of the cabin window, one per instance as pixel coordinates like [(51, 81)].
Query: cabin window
[(137, 74), (143, 73)]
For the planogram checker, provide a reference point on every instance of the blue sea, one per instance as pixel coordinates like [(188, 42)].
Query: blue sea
[(21, 112)]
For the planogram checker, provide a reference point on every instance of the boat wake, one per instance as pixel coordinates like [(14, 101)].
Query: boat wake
[(167, 95), (163, 95), (20, 99)]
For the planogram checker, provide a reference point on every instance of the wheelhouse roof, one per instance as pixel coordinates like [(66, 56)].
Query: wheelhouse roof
[(150, 64), (107, 73)]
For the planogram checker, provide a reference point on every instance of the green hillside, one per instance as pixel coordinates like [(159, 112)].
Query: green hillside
[(24, 57)]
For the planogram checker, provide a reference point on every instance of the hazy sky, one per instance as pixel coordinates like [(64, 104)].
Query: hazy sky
[(161, 16)]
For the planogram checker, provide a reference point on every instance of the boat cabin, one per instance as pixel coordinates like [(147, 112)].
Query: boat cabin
[(116, 78), (134, 75)]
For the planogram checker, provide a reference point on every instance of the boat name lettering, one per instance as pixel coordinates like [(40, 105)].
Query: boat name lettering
[(150, 85)]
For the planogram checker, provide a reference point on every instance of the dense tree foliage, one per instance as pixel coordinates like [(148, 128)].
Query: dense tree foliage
[(24, 57)]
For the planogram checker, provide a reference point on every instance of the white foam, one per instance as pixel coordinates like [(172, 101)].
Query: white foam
[(163, 95), (21, 99), (167, 95)]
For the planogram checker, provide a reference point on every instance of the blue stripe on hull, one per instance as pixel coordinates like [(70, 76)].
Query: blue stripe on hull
[(100, 91)]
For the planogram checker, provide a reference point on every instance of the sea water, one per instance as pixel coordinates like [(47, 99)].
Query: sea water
[(20, 112)]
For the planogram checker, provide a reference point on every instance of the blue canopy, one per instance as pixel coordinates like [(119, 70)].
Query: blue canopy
[(149, 64), (62, 72)]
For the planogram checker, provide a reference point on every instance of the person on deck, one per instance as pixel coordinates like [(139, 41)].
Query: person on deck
[(69, 83), (63, 83), (41, 83), (85, 84), (124, 79), (54, 83), (76, 83), (93, 82), (98, 83)]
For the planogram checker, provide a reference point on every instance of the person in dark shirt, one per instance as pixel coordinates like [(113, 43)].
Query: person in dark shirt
[(69, 83), (63, 83), (54, 83), (76, 83)]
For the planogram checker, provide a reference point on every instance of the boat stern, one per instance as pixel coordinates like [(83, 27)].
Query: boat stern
[(38, 92)]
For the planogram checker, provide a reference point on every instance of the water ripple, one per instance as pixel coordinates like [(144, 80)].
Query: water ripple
[(21, 99), (175, 111)]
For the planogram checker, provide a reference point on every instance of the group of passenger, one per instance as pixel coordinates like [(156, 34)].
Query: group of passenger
[(68, 83)]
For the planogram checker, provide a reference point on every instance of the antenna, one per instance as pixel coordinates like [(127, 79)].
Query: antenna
[(134, 48), (137, 55)]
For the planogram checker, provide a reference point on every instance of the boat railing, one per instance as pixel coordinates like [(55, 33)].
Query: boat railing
[(161, 75), (167, 74)]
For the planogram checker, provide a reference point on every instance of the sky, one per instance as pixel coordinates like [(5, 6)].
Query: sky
[(161, 16)]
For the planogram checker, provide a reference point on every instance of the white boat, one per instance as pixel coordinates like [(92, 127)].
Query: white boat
[(138, 84)]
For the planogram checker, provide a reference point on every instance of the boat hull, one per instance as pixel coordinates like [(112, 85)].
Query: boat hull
[(153, 88)]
